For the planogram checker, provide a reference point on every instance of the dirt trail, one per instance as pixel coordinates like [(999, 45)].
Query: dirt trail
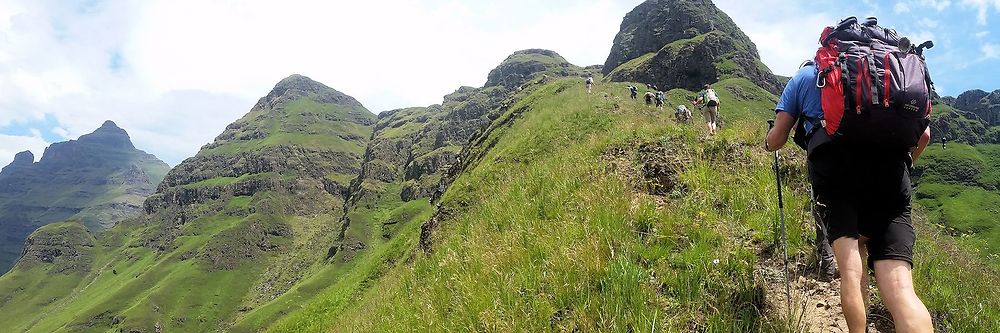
[(815, 305)]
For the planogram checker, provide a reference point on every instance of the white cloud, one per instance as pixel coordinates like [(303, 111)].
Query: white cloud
[(982, 34), (901, 7), (61, 132), (990, 51), (783, 44), (921, 36), (938, 5), (12, 144), (928, 23), (189, 67), (982, 8)]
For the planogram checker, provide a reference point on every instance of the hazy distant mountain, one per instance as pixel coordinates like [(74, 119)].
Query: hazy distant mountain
[(99, 179)]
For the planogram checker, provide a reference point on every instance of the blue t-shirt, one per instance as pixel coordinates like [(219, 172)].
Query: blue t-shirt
[(801, 97)]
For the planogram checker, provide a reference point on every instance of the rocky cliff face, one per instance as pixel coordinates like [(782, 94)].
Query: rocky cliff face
[(99, 179), (984, 105), (684, 44), (64, 247)]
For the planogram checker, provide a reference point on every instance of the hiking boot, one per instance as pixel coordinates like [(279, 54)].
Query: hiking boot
[(828, 270)]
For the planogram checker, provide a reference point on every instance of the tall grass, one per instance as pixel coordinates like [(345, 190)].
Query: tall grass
[(546, 235)]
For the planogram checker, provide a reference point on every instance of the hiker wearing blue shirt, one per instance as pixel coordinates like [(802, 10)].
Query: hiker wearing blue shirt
[(861, 202), (801, 100), (801, 97)]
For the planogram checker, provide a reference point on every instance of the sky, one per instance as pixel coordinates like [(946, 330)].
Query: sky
[(174, 73)]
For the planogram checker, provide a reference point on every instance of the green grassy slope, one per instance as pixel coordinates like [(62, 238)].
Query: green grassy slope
[(541, 235), (553, 226), (959, 187), (55, 263), (229, 230)]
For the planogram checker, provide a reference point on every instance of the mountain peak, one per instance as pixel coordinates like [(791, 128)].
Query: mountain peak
[(541, 52), (108, 134), (297, 85), (521, 65), (22, 159), (684, 44)]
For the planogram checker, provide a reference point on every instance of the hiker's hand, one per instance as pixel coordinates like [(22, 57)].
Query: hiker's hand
[(777, 134), (925, 140)]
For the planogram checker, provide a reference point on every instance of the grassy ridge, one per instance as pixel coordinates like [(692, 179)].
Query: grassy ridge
[(544, 237), (543, 234)]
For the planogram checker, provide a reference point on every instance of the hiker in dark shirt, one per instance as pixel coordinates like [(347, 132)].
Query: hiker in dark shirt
[(633, 91)]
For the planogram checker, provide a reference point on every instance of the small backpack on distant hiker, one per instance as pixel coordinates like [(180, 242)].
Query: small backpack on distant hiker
[(709, 97), (874, 86)]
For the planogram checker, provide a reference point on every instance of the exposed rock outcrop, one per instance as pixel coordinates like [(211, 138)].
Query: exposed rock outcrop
[(65, 247), (520, 66), (986, 106), (684, 44)]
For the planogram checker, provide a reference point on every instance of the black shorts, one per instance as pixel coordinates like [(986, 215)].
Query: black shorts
[(864, 193)]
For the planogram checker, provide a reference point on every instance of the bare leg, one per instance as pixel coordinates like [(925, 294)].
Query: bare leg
[(895, 283), (848, 257), (863, 249)]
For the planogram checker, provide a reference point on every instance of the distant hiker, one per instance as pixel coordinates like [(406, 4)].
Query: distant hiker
[(709, 102), (651, 86), (590, 82), (633, 91), (860, 172), (944, 142), (649, 96), (683, 115), (545, 77), (659, 99)]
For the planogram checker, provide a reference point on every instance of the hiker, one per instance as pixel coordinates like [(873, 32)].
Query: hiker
[(651, 86), (649, 96), (862, 191), (590, 82), (944, 142), (659, 99), (633, 91), (709, 103), (683, 115)]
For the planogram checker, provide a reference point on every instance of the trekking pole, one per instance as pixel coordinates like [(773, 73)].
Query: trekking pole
[(781, 218)]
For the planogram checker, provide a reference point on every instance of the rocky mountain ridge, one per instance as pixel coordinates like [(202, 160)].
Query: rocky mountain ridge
[(98, 179)]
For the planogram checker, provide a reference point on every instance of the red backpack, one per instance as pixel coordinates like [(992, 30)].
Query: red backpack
[(872, 93)]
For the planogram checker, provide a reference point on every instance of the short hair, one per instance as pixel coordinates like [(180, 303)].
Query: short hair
[(707, 86)]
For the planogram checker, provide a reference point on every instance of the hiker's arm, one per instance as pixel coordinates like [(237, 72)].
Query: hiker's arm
[(776, 138), (925, 139)]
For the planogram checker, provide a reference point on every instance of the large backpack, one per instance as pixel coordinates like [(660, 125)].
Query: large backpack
[(872, 93)]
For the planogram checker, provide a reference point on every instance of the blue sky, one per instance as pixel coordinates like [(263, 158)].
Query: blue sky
[(174, 73)]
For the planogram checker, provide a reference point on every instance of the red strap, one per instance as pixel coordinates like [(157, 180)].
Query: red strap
[(888, 77)]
